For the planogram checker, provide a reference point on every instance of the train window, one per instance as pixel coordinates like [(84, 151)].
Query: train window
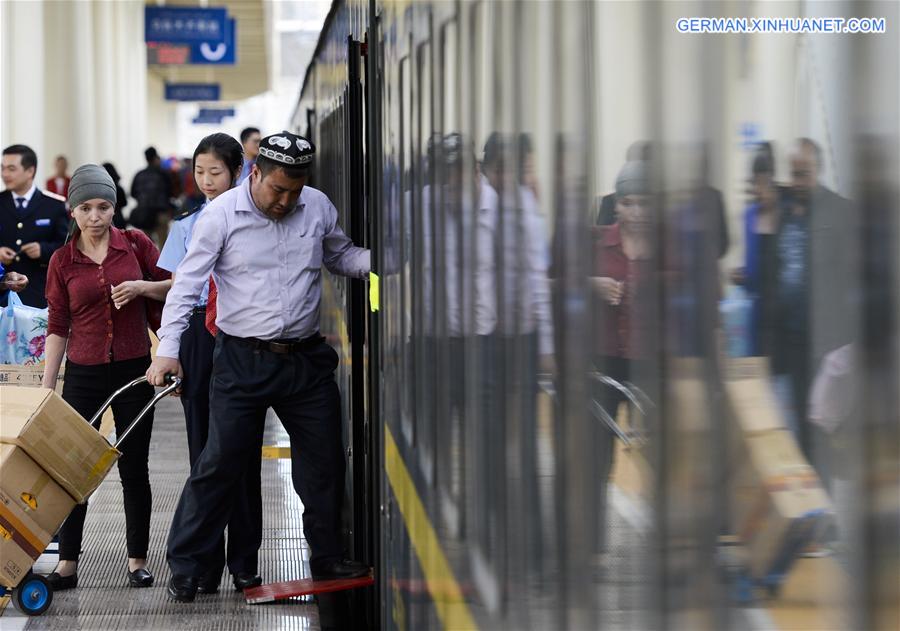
[(481, 74), (406, 200), (393, 256), (485, 423), (449, 70), (426, 87), (424, 247), (447, 246)]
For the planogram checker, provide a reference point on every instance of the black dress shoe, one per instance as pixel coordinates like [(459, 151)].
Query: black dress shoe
[(246, 580), (141, 577), (342, 568), (182, 588), (209, 583), (60, 583)]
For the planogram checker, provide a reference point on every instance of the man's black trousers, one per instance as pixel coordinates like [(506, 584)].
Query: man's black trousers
[(245, 524), (246, 381)]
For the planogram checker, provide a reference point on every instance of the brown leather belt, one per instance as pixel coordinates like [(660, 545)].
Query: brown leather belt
[(282, 347)]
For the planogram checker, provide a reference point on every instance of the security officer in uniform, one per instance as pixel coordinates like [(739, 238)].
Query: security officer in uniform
[(33, 223), (265, 243)]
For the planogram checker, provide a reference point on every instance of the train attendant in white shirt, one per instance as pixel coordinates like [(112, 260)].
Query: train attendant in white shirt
[(217, 164)]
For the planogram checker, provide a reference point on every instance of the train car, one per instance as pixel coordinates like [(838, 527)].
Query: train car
[(546, 424)]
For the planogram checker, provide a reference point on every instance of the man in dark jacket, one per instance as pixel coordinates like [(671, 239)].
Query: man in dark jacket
[(33, 224), (817, 269), (151, 188)]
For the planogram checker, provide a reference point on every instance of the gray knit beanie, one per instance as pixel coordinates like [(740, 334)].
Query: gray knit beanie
[(633, 179), (91, 181)]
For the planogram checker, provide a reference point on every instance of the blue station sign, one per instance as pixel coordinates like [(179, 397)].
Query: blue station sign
[(193, 91), (185, 25), (222, 53), (212, 116)]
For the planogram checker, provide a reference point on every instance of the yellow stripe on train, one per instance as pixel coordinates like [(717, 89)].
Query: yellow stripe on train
[(443, 588)]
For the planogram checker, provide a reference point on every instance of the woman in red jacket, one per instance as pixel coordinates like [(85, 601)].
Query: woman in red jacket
[(97, 285), (623, 289)]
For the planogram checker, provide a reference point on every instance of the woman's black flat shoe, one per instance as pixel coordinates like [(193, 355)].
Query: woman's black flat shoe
[(140, 578), (60, 583)]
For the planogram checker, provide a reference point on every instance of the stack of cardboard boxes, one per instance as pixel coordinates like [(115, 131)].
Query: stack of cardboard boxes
[(50, 459), (778, 503)]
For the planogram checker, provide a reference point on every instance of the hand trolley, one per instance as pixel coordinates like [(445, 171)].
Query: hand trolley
[(33, 595)]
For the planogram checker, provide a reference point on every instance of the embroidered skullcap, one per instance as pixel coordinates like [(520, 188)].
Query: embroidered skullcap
[(287, 149)]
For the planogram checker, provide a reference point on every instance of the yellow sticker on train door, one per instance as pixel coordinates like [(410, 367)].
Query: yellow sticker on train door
[(373, 292)]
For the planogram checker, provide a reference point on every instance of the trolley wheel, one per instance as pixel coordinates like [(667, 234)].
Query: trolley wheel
[(33, 595)]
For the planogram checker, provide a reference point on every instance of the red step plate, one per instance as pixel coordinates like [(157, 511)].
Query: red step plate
[(271, 592)]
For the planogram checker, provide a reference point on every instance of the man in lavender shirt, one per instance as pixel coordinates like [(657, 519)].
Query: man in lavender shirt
[(264, 243)]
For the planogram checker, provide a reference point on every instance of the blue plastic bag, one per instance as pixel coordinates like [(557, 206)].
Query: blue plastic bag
[(736, 312), (23, 332)]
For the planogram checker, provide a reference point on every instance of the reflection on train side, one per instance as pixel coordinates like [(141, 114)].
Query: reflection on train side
[(639, 316)]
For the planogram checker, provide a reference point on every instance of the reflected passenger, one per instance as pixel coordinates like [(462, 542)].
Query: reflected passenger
[(516, 247), (527, 174), (815, 275), (456, 175), (605, 206), (761, 220), (623, 290), (697, 239), (512, 299), (447, 258)]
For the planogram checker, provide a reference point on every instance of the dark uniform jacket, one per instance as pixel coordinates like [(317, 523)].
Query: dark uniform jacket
[(45, 220)]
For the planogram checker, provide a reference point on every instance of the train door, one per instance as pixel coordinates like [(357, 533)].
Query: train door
[(372, 58), (363, 444)]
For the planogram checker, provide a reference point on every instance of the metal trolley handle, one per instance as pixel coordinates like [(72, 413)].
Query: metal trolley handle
[(641, 402), (636, 436), (174, 383)]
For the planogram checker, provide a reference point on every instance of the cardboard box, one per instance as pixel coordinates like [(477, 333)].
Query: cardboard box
[(748, 386), (32, 508), (778, 503), (31, 376), (28, 376), (56, 437), (689, 476)]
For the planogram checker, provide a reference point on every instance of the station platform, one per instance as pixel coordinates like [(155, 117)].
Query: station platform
[(812, 599), (103, 599)]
